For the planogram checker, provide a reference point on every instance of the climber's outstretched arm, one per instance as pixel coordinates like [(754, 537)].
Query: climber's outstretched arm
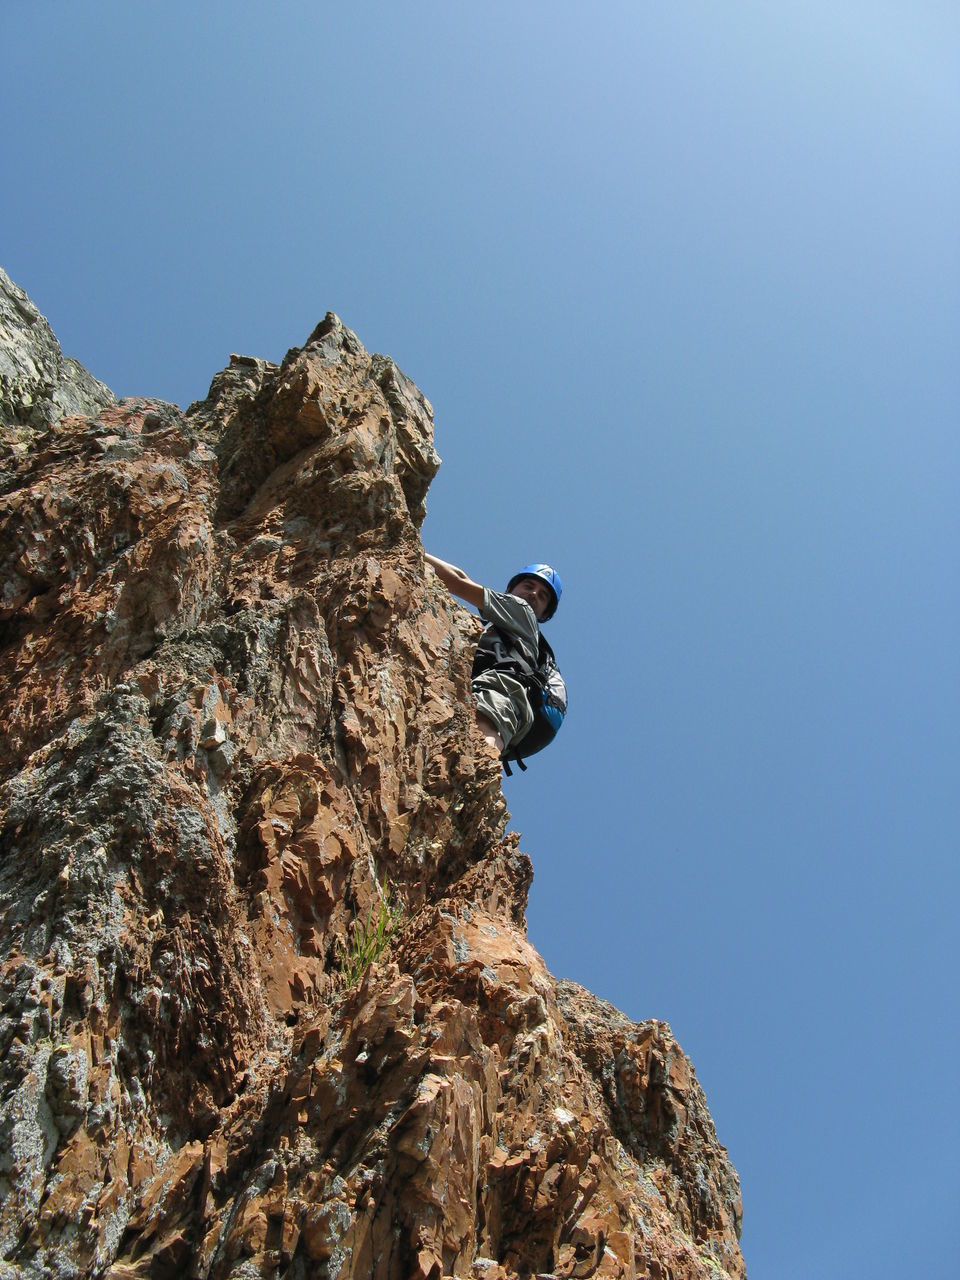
[(456, 580)]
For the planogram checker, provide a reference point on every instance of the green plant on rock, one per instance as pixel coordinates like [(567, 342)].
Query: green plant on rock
[(714, 1264), (369, 940)]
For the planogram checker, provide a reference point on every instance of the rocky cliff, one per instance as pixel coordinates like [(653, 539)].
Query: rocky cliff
[(236, 739)]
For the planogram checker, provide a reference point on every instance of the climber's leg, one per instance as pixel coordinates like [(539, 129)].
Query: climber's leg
[(490, 734), (503, 703)]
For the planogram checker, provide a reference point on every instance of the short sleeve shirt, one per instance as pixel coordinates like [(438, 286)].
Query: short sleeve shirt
[(515, 618)]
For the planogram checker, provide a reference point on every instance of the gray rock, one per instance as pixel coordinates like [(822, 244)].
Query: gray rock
[(38, 384)]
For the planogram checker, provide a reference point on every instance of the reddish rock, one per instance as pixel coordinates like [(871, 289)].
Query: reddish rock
[(235, 730)]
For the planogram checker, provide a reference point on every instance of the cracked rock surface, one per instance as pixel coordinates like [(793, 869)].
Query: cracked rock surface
[(235, 729), (38, 383)]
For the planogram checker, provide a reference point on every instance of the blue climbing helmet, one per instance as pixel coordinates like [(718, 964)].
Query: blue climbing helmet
[(545, 574)]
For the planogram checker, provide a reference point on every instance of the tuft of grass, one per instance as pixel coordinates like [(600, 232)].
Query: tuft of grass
[(369, 940)]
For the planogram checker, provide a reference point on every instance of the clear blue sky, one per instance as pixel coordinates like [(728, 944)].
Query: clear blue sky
[(681, 281)]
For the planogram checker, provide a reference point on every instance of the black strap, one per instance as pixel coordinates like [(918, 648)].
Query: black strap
[(506, 765)]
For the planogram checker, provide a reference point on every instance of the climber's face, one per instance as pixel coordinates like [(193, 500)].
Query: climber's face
[(536, 593)]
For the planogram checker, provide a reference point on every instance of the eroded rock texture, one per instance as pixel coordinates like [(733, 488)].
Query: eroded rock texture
[(38, 383), (234, 706)]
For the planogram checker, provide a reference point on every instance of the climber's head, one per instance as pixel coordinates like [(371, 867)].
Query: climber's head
[(540, 586)]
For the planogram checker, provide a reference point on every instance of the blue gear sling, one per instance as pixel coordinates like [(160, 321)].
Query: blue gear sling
[(544, 686)]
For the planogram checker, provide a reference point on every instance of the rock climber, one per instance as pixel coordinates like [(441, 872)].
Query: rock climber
[(520, 695)]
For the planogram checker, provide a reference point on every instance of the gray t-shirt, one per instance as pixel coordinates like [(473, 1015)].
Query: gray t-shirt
[(515, 618)]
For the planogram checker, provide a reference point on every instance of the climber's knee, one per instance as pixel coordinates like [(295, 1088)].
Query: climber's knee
[(489, 731)]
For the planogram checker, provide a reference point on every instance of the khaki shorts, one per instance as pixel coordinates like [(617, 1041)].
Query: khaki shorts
[(505, 704)]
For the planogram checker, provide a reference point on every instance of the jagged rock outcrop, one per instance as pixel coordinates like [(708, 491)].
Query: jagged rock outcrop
[(38, 383), (235, 726)]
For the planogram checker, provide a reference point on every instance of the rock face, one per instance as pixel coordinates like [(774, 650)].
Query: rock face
[(38, 383), (236, 735)]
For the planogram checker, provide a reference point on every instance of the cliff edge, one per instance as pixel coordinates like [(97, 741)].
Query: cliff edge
[(236, 735)]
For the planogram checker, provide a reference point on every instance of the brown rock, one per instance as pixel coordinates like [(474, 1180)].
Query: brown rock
[(236, 739)]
